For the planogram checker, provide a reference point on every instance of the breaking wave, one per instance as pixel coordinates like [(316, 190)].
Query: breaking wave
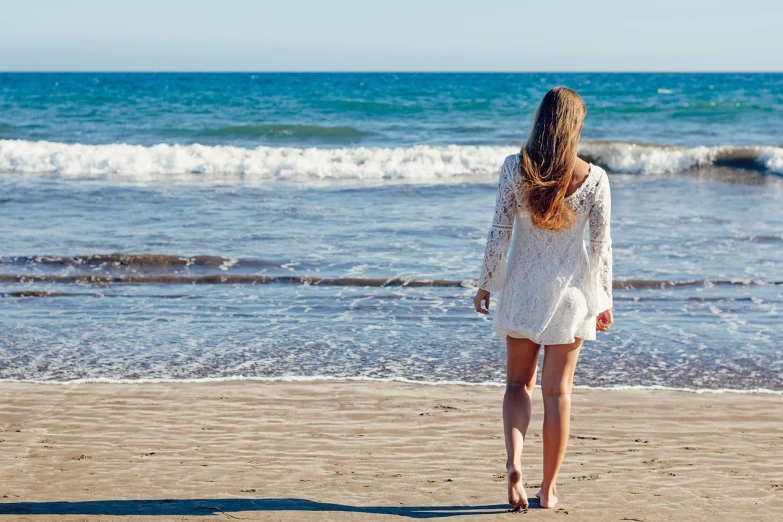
[(420, 162)]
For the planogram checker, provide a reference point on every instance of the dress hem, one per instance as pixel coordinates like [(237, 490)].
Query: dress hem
[(503, 332)]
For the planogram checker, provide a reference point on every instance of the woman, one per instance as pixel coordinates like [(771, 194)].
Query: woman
[(550, 292)]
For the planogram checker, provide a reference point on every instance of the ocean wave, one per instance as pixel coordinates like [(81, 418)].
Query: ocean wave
[(225, 279), (119, 259), (136, 161), (638, 158), (420, 162), (245, 279)]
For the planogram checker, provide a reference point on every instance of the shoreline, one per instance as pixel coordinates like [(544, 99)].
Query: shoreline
[(352, 450), (400, 380)]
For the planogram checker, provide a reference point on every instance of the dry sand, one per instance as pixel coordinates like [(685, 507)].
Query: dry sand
[(326, 450)]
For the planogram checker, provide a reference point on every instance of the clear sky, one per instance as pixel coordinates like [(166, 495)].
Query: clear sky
[(393, 35)]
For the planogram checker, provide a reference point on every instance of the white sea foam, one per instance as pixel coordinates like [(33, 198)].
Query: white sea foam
[(308, 378), (420, 162), (633, 158), (772, 159)]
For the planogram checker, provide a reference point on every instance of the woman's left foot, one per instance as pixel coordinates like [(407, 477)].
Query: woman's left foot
[(517, 496)]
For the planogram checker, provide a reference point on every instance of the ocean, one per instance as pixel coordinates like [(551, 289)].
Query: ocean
[(296, 226)]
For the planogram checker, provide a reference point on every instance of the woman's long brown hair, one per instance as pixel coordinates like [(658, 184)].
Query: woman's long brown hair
[(548, 158)]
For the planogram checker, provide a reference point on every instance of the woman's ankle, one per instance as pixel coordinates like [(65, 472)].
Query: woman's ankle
[(548, 489)]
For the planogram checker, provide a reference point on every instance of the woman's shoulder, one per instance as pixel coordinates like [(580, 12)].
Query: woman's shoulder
[(511, 160), (510, 166), (602, 178), (599, 189), (597, 175), (600, 170)]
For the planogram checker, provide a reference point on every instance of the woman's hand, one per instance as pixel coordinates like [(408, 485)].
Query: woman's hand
[(604, 320), (482, 297)]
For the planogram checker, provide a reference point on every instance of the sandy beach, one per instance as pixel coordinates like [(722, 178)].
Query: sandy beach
[(330, 450)]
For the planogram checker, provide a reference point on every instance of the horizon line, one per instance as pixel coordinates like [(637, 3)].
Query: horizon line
[(251, 71)]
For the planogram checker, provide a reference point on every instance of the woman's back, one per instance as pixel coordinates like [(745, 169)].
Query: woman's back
[(551, 290)]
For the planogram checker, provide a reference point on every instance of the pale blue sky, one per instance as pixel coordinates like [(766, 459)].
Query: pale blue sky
[(395, 35)]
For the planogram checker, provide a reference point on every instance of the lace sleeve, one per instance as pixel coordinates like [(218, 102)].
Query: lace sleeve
[(493, 271), (601, 245)]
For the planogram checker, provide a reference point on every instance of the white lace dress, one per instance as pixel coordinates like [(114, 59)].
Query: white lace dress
[(548, 289)]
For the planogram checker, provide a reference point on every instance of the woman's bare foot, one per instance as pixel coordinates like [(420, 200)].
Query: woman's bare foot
[(517, 496), (546, 501)]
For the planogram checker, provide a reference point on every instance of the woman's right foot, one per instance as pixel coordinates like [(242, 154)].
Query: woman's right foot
[(517, 496), (546, 501)]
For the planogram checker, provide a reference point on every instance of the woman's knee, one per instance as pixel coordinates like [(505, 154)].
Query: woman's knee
[(527, 384), (556, 389)]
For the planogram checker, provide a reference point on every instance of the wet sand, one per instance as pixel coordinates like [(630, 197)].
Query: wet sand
[(355, 451)]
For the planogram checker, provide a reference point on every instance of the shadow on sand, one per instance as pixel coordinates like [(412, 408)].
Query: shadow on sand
[(206, 506)]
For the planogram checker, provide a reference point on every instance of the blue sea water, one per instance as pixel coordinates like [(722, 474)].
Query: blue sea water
[(187, 226), (384, 110)]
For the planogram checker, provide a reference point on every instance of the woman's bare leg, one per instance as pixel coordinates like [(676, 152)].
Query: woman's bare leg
[(557, 377), (521, 366)]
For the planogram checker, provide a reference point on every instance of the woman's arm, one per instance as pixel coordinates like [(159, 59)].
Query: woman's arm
[(493, 270), (601, 252)]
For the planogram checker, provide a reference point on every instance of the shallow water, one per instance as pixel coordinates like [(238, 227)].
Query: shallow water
[(176, 318)]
